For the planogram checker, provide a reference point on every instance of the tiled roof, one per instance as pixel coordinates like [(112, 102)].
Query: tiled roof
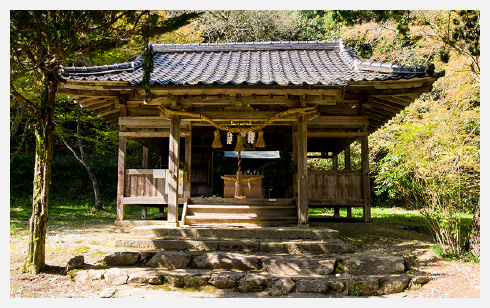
[(327, 63)]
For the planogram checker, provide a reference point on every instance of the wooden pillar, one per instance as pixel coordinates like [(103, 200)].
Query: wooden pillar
[(302, 171), (335, 166), (365, 167), (121, 166), (335, 163), (173, 168), (347, 158), (144, 165), (188, 162), (295, 159), (365, 176), (348, 167), (144, 158)]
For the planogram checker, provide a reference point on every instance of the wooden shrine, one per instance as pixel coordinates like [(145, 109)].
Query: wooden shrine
[(304, 99)]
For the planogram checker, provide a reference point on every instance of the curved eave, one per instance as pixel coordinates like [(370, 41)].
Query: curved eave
[(383, 99)]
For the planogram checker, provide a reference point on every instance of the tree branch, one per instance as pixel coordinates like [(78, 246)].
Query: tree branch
[(24, 101)]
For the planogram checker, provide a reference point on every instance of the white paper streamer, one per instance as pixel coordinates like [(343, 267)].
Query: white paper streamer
[(229, 138), (251, 137)]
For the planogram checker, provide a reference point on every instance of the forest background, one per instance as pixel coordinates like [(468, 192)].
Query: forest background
[(426, 158)]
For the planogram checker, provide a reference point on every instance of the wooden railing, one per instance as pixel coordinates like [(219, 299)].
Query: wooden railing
[(335, 188), (145, 186)]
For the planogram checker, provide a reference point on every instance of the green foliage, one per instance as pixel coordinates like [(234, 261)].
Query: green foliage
[(429, 157), (400, 18), (147, 68), (247, 26)]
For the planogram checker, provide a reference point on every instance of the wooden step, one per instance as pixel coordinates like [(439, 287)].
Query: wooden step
[(222, 217), (246, 201), (230, 210), (238, 207)]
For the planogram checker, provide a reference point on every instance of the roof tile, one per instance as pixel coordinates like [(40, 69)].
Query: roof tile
[(326, 63)]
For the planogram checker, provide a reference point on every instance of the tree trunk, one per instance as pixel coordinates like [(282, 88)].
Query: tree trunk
[(35, 260), (475, 234)]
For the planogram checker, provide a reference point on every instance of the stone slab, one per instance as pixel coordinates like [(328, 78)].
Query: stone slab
[(228, 261), (306, 247), (122, 258), (230, 233), (291, 266), (170, 259), (372, 265)]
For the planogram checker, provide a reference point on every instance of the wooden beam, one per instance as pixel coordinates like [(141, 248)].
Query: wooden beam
[(234, 115), (241, 90), (99, 104), (161, 134), (340, 121), (148, 201), (173, 168), (383, 112), (141, 122), (94, 93), (336, 134), (336, 202), (88, 101), (393, 103), (108, 112)]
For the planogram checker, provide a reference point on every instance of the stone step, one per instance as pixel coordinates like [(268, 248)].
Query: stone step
[(278, 264), (239, 245), (240, 281), (162, 231)]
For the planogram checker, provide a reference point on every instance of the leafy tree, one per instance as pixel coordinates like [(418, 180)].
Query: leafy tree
[(246, 26), (40, 41), (428, 156), (451, 30), (70, 116)]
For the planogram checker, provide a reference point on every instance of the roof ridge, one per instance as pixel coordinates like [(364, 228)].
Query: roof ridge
[(235, 46), (99, 69), (349, 55)]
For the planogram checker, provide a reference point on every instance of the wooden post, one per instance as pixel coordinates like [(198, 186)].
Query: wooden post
[(335, 166), (302, 172), (348, 167), (144, 165), (295, 159), (365, 176), (144, 158), (173, 168), (365, 167), (188, 162), (121, 165)]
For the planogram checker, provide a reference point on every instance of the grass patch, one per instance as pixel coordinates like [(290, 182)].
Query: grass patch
[(410, 220), (63, 212)]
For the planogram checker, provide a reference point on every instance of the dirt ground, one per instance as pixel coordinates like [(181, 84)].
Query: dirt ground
[(448, 279)]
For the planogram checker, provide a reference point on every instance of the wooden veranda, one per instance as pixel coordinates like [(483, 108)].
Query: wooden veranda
[(320, 97)]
